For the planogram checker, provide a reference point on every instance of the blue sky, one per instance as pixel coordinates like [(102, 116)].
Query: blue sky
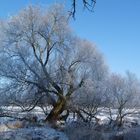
[(114, 27)]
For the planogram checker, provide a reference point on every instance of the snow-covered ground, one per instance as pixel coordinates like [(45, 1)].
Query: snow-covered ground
[(12, 129), (33, 133), (103, 114), (17, 130)]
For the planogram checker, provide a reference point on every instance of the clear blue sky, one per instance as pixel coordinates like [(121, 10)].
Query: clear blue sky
[(114, 27)]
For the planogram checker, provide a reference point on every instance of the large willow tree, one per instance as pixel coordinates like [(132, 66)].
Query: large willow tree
[(40, 58)]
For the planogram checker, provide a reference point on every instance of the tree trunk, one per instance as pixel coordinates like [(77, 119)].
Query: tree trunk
[(58, 108)]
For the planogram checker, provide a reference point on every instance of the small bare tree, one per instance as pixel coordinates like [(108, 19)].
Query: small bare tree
[(122, 93), (90, 99)]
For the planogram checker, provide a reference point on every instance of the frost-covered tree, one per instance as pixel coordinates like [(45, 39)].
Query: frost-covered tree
[(91, 98), (123, 91), (41, 60)]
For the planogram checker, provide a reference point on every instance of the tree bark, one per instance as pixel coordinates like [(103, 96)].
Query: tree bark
[(55, 113)]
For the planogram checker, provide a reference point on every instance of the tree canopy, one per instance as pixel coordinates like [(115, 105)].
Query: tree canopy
[(42, 58)]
